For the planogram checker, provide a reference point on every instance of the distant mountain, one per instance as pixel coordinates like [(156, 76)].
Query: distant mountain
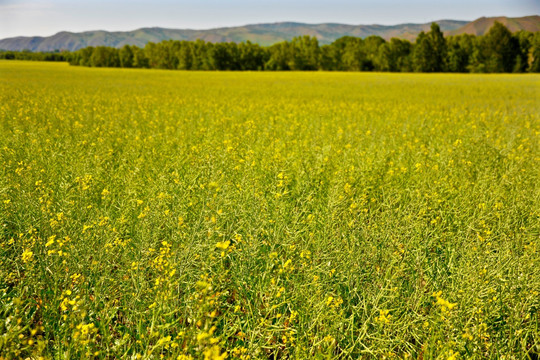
[(482, 25), (264, 34)]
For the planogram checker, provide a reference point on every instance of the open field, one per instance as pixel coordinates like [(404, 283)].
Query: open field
[(149, 214)]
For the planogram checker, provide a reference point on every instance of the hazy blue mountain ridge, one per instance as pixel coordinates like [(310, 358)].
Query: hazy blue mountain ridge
[(263, 34)]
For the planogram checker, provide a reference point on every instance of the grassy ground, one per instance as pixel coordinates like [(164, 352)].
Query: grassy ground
[(148, 214)]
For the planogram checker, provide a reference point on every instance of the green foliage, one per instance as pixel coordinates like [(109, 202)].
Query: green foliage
[(304, 53), (354, 55), (278, 58), (35, 56), (126, 57), (430, 51), (534, 54), (460, 49), (103, 56), (395, 56), (497, 51)]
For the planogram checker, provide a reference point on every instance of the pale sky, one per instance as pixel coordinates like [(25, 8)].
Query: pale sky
[(47, 17)]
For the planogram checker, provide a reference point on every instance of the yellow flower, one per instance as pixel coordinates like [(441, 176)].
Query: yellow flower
[(214, 353), (27, 255), (163, 340), (223, 244), (184, 357), (329, 300), (445, 305), (383, 317), (51, 241)]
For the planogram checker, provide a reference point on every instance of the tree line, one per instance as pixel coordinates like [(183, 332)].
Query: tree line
[(497, 51), (35, 56)]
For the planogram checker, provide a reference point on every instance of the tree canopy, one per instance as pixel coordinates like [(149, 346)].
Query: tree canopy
[(497, 51)]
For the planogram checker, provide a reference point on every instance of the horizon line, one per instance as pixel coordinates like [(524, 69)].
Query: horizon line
[(255, 24)]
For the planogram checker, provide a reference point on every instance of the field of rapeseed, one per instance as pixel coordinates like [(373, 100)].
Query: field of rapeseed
[(201, 215)]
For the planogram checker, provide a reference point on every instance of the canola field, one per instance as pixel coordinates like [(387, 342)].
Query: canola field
[(150, 214)]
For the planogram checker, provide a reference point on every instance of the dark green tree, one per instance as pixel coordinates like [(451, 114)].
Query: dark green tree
[(84, 56), (224, 56), (251, 56), (430, 51), (422, 59), (279, 56), (330, 58), (353, 56), (139, 58), (371, 45), (459, 52), (332, 55), (126, 56), (201, 59), (185, 55), (304, 53), (498, 49), (523, 41), (534, 54), (104, 56), (395, 55)]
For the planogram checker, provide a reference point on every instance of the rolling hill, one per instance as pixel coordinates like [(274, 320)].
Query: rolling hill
[(264, 34), (482, 25)]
